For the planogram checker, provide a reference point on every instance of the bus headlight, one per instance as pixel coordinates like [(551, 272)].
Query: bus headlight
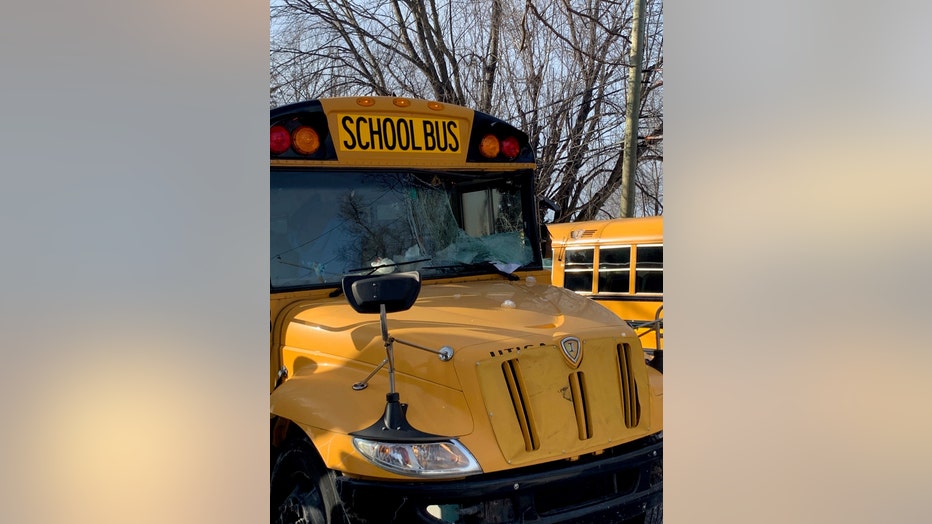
[(442, 459)]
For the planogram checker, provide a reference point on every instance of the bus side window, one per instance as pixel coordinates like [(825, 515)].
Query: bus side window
[(577, 275), (649, 273), (615, 269), (649, 282)]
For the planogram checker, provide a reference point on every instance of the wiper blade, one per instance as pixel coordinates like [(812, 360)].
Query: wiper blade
[(485, 265), (375, 267)]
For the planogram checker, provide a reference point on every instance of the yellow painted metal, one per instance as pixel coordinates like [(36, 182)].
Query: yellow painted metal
[(655, 379), (641, 230), (548, 396), (421, 134), (641, 308), (327, 347)]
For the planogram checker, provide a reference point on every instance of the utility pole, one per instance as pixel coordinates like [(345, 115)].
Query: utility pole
[(632, 111)]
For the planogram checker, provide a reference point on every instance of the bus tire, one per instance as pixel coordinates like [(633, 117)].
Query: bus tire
[(654, 515), (302, 489)]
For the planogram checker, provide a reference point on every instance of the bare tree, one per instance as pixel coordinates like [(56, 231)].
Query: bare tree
[(555, 68)]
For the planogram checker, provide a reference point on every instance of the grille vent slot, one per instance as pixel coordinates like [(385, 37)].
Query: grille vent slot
[(515, 382), (630, 403), (580, 405)]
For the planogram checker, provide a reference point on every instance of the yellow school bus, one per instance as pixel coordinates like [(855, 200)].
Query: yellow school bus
[(618, 263), (422, 366)]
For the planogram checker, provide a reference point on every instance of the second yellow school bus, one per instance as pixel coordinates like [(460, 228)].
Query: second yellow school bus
[(618, 263)]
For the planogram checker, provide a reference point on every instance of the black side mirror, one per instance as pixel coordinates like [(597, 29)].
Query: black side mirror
[(550, 204), (397, 291)]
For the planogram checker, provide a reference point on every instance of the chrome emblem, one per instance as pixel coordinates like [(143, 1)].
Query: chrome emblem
[(572, 350)]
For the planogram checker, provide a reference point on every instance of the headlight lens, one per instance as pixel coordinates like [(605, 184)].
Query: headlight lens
[(443, 459)]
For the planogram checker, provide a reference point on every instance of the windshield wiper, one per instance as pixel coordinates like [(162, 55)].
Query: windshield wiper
[(484, 265), (372, 269)]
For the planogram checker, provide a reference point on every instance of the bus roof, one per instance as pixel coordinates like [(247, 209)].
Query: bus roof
[(640, 229)]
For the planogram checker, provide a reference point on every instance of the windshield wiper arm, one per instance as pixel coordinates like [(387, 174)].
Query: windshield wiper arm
[(373, 269), (485, 264)]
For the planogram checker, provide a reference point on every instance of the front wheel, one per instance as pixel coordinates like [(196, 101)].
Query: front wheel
[(654, 515), (302, 489)]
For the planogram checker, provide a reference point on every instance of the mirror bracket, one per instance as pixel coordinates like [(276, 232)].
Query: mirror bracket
[(385, 294)]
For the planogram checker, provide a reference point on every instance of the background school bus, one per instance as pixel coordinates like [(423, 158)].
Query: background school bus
[(618, 263)]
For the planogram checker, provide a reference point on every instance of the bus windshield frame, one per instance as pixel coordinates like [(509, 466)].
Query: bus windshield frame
[(329, 223)]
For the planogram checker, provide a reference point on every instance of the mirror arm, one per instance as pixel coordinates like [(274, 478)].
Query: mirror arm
[(445, 353), (389, 348), (359, 386)]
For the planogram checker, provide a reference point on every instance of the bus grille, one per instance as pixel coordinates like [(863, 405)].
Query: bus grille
[(541, 407)]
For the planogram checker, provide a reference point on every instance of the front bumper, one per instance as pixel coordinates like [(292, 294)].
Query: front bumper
[(620, 484)]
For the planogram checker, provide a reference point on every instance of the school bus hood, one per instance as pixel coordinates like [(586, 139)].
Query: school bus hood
[(475, 319), (512, 381)]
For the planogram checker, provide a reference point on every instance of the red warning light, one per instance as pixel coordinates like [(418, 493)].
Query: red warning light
[(511, 147), (279, 140)]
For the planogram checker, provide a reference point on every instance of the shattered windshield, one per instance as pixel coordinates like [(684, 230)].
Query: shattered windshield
[(325, 225)]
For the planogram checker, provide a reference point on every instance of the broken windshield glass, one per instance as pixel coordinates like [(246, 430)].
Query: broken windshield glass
[(325, 225)]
